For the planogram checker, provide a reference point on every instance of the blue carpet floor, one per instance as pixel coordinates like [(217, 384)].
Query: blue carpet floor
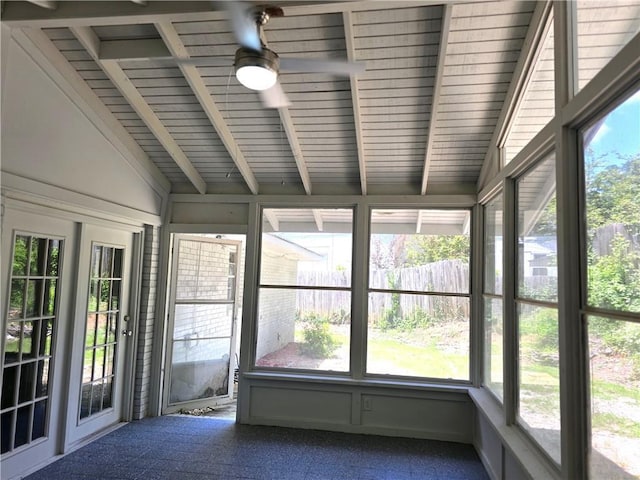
[(192, 448)]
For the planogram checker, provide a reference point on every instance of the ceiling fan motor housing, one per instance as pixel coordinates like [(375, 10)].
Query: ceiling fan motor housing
[(246, 57)]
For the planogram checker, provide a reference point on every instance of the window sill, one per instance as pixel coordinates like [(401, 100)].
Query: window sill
[(370, 382), (514, 441)]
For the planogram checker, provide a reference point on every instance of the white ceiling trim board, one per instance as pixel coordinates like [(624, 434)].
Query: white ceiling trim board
[(91, 43), (48, 57), (433, 118), (200, 90), (355, 98)]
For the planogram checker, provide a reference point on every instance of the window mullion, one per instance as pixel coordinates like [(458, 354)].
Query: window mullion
[(510, 338)]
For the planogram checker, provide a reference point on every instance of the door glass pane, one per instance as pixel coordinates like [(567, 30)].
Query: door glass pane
[(614, 353), (199, 369), (103, 317), (202, 321), (493, 246), (28, 344), (539, 376), (612, 200)]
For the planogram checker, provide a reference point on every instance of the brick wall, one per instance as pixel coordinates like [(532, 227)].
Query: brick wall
[(147, 319), (276, 308)]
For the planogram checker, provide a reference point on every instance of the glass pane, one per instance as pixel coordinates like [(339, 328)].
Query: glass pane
[(45, 342), (537, 106), (112, 328), (107, 393), (9, 380), (12, 342), (27, 381), (30, 335), (614, 353), (539, 375), (493, 246), (109, 359), (612, 186), (94, 290), (20, 255), (603, 28), (85, 402), (87, 368), (42, 380), (54, 258), (202, 321), (435, 260), (38, 257), (39, 420), (418, 336), (105, 293), (92, 329), (203, 270), (49, 303), (117, 263), (17, 299), (106, 267), (23, 421), (95, 261), (305, 329), (6, 426), (493, 346), (295, 253), (96, 397), (115, 295), (199, 369), (34, 298), (537, 244)]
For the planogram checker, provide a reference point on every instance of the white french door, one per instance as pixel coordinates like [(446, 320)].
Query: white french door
[(103, 332), (37, 272), (200, 358)]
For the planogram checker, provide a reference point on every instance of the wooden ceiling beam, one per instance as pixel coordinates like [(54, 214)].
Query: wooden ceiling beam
[(48, 4), (92, 13), (433, 117), (200, 90), (317, 216), (91, 43), (296, 149), (355, 98), (272, 219)]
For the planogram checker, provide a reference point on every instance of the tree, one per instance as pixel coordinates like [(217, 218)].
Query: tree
[(422, 249)]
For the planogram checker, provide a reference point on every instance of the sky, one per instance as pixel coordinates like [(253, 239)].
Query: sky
[(620, 131)]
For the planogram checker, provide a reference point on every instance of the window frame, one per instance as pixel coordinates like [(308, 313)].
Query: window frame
[(368, 290)]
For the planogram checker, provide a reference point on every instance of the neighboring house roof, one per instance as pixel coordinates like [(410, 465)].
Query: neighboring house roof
[(276, 244)]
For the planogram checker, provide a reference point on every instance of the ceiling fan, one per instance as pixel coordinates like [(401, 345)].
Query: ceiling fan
[(257, 67)]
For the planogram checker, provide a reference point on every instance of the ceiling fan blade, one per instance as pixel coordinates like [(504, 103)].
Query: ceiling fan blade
[(205, 61), (244, 27), (274, 97), (335, 67)]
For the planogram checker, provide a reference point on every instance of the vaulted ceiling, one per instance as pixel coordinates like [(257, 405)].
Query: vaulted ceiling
[(419, 120)]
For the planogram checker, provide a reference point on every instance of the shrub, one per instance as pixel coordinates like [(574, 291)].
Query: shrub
[(318, 342)]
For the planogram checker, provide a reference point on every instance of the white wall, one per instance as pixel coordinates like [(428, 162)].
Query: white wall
[(46, 138)]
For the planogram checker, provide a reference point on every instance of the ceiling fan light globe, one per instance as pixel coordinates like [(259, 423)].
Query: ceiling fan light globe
[(256, 77), (257, 70)]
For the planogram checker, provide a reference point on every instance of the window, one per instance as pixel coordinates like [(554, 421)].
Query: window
[(611, 156), (418, 322), (493, 271), (28, 340), (603, 28), (537, 105), (537, 311), (304, 304)]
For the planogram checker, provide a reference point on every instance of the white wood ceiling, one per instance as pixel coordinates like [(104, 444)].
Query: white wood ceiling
[(419, 120)]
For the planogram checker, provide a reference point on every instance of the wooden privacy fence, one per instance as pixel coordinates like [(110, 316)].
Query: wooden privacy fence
[(447, 276)]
